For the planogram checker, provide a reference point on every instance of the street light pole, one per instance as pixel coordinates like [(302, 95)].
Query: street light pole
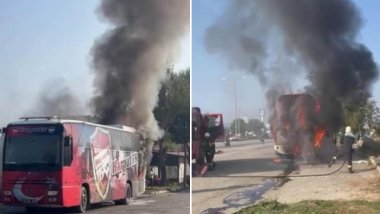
[(237, 122), (236, 115)]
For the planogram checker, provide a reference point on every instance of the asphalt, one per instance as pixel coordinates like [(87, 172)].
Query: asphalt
[(164, 202)]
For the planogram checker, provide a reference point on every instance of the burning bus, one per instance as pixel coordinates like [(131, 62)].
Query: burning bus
[(296, 127), (52, 162)]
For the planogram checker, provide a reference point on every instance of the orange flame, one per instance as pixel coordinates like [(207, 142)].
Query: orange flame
[(321, 133)]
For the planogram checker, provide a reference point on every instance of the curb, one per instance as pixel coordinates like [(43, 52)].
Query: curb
[(179, 189), (156, 192), (159, 192)]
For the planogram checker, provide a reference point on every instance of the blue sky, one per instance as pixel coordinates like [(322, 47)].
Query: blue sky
[(213, 94), (43, 41)]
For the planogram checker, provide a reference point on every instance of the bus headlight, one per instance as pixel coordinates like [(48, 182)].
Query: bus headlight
[(7, 193), (7, 196)]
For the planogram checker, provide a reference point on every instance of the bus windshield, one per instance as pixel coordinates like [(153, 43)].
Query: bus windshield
[(32, 147)]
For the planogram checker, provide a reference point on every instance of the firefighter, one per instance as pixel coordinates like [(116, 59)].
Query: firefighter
[(347, 149), (210, 150)]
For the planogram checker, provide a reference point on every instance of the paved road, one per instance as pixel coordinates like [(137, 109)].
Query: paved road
[(233, 185), (171, 203), (220, 145)]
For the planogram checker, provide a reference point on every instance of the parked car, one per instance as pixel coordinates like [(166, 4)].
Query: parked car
[(251, 135), (235, 137)]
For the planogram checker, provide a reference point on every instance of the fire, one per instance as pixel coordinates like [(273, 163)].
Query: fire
[(321, 133), (302, 118)]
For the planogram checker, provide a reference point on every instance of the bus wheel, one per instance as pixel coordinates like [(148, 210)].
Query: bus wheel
[(128, 196), (84, 202)]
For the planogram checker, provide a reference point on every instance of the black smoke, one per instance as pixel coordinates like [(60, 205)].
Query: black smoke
[(130, 59), (280, 40), (56, 99)]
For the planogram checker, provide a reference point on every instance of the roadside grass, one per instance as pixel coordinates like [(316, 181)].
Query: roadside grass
[(314, 207)]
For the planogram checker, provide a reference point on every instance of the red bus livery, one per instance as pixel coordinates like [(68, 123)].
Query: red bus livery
[(67, 163)]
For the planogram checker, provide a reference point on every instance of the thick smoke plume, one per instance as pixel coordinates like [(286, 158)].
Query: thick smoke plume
[(279, 40), (56, 99), (130, 60)]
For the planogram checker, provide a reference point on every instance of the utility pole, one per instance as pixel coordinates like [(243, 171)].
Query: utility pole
[(184, 164), (237, 122), (237, 128)]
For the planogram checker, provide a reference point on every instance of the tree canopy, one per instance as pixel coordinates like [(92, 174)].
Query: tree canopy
[(240, 125), (174, 104), (256, 126), (361, 116)]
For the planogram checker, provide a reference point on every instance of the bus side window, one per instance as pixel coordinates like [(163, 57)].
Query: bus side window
[(67, 151)]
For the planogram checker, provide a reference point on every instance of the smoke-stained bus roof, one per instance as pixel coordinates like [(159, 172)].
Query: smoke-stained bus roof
[(60, 121)]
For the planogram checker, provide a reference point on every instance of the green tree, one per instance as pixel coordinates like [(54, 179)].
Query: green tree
[(360, 115), (256, 126), (172, 107), (180, 128), (173, 98), (241, 125)]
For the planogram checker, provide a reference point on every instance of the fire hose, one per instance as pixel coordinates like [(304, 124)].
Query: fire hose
[(287, 175), (316, 175)]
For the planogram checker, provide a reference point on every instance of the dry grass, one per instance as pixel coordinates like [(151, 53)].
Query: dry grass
[(316, 207)]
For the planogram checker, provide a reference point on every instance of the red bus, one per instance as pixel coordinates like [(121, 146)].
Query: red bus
[(51, 162)]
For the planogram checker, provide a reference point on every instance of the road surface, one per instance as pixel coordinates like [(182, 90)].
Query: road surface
[(172, 203), (236, 181), (363, 184), (232, 184)]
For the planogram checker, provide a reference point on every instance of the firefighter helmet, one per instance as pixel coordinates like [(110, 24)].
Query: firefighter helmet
[(348, 129), (207, 135)]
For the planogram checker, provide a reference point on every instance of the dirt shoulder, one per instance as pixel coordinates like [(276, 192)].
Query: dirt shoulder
[(316, 207), (364, 184)]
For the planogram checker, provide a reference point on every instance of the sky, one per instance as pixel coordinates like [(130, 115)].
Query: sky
[(213, 84), (44, 43)]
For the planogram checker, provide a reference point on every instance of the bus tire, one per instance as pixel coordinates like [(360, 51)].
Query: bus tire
[(128, 196), (84, 201)]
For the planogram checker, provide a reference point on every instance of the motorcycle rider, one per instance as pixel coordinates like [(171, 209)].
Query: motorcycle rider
[(262, 136), (227, 140)]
